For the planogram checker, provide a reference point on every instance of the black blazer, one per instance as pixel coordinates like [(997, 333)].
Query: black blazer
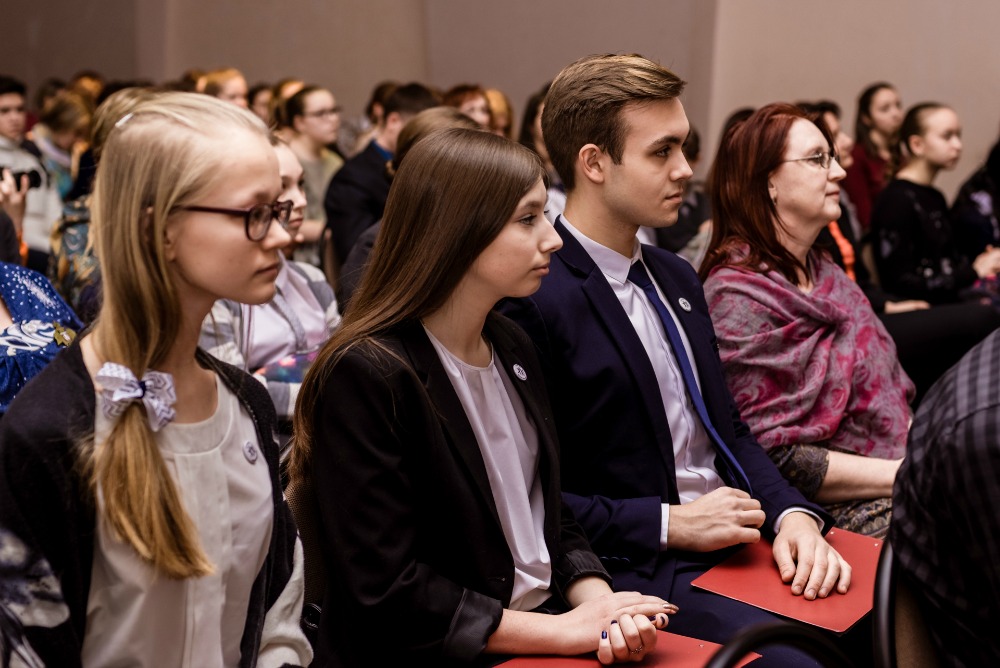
[(617, 455), (418, 564), (355, 198)]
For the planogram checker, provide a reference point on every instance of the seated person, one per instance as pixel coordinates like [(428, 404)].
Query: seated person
[(944, 533), (277, 341), (427, 435), (974, 213), (811, 368), (915, 249)]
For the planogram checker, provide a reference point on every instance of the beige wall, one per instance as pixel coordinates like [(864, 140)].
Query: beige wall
[(769, 50), (732, 52)]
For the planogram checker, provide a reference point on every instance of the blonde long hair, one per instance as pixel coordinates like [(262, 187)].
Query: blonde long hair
[(163, 156)]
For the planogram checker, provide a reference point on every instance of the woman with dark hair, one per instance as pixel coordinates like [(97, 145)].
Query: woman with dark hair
[(812, 369), (426, 433), (915, 248), (311, 120), (532, 139), (876, 148)]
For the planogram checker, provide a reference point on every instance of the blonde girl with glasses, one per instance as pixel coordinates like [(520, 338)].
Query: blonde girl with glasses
[(141, 520)]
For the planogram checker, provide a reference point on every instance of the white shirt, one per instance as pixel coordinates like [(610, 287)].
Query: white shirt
[(509, 445), (137, 617)]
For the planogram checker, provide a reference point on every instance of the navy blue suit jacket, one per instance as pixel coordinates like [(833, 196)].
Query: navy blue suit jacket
[(617, 454)]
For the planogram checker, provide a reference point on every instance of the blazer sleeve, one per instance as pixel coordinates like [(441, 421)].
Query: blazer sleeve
[(372, 421)]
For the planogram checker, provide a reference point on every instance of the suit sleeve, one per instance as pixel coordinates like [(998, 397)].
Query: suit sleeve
[(348, 212), (369, 432)]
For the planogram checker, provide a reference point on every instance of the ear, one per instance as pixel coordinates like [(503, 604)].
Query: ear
[(915, 144), (772, 190), (592, 163), (169, 234), (394, 119), (297, 123)]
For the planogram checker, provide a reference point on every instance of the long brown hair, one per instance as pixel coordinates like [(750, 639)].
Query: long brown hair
[(451, 197), (160, 157), (742, 211)]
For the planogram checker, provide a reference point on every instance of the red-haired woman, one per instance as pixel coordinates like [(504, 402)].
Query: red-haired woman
[(812, 369)]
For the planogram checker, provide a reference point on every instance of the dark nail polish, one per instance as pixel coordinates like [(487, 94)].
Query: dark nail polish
[(614, 621), (604, 635), (652, 618)]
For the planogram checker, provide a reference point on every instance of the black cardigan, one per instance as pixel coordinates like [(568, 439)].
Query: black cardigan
[(46, 505)]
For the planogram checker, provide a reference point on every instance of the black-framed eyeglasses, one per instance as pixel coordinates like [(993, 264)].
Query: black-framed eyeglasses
[(323, 113), (256, 219), (821, 160)]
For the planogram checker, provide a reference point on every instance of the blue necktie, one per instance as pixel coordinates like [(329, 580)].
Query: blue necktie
[(637, 274)]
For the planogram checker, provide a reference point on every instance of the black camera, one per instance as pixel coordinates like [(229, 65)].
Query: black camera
[(34, 177)]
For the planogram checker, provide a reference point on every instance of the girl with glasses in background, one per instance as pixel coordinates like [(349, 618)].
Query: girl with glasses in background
[(790, 323), (141, 517)]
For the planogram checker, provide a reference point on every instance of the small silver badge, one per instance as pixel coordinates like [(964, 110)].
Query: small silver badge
[(685, 304), (519, 372), (250, 452)]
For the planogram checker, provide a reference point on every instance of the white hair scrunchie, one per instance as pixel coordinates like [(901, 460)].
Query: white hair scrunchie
[(120, 388)]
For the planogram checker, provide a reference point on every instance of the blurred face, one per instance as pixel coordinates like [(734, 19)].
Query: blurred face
[(886, 112), (477, 109), (806, 195), (292, 186), (647, 188), (941, 143), (320, 119), (842, 141), (210, 255), (235, 92), (12, 116), (515, 262), (260, 104)]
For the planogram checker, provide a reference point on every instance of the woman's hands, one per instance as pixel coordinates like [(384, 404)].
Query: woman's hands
[(987, 263), (621, 626)]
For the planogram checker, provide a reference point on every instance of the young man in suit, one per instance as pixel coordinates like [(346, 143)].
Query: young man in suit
[(658, 467), (357, 193)]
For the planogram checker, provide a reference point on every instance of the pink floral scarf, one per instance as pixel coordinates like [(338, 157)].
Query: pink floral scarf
[(816, 368)]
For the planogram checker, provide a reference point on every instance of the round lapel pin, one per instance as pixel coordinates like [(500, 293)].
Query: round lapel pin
[(520, 372), (250, 452), (685, 304)]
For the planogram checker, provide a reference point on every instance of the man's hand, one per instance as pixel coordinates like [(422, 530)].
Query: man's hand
[(721, 518), (805, 559)]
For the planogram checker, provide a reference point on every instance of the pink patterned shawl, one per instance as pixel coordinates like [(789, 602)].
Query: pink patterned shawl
[(815, 368)]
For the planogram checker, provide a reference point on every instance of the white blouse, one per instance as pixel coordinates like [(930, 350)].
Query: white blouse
[(509, 446), (136, 617)]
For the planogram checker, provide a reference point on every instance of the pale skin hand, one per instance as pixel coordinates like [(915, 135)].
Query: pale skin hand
[(13, 198), (580, 630), (719, 519), (987, 263), (906, 306), (807, 561), (852, 477)]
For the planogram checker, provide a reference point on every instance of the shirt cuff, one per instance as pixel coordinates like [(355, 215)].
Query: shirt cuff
[(797, 509), (665, 525)]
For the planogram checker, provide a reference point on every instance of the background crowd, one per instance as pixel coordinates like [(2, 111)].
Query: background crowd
[(839, 286)]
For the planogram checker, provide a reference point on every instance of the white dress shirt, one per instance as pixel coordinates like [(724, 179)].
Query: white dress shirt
[(509, 445)]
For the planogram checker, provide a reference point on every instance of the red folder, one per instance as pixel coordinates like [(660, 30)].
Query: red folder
[(751, 576), (672, 651)]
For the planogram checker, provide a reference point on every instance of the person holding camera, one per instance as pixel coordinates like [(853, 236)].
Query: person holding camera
[(21, 159)]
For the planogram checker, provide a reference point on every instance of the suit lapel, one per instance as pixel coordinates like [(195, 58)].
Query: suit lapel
[(609, 312), (454, 421)]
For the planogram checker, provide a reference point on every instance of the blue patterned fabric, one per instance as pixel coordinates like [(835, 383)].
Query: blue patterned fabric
[(41, 319)]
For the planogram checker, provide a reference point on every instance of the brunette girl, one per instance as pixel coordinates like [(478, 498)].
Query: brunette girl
[(876, 148), (914, 243), (141, 521), (427, 435)]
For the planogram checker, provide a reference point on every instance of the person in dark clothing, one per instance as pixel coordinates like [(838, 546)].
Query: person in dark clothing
[(356, 196), (974, 211)]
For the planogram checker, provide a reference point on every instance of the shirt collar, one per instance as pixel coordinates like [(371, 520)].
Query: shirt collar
[(612, 264)]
